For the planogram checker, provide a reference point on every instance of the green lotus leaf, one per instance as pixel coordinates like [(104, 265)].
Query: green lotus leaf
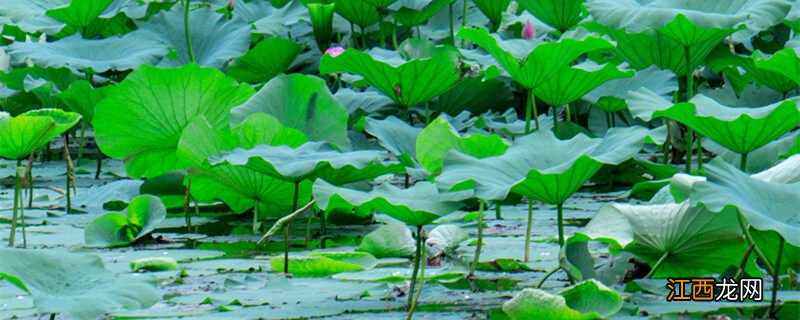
[(476, 94), (215, 39), (360, 12), (23, 134), (610, 96), (509, 125), (310, 160), (154, 264), (77, 285), (79, 13), (543, 62), (440, 137), (493, 9), (393, 240), (115, 229), (370, 102), (551, 176), (768, 206), (240, 188), (399, 138), (266, 60), (412, 83), (381, 4), (323, 264), (760, 159), (301, 102), (635, 15), (82, 98), (418, 205), (115, 53), (572, 83), (722, 60), (51, 16), (585, 300), (684, 233), (136, 123), (562, 15), (769, 243), (410, 17), (785, 62)]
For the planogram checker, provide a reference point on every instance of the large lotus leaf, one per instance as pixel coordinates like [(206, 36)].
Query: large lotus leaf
[(767, 206), (785, 62), (762, 158), (23, 134), (266, 60), (476, 94), (493, 9), (410, 17), (143, 118), (685, 233), (359, 12), (541, 166), (114, 229), (722, 60), (739, 129), (636, 15), (562, 15), (80, 13), (409, 84), (440, 137), (301, 102), (239, 187), (370, 102), (586, 300), (310, 160), (543, 62), (572, 83), (74, 284), (50, 16), (418, 205), (81, 97), (396, 136), (661, 82), (114, 53), (215, 39)]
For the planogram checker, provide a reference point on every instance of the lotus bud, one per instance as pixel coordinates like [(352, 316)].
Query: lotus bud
[(334, 51), (230, 4), (529, 31)]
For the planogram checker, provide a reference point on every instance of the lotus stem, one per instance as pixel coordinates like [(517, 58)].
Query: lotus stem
[(776, 283), (689, 151), (666, 146), (380, 29), (81, 140), (15, 214), (70, 171), (547, 275), (52, 316), (427, 114), (308, 230), (421, 279), (323, 229), (419, 33), (283, 221), (186, 198), (608, 119), (353, 42), (613, 119), (363, 38), (477, 257), (464, 21), (394, 34), (746, 231), (187, 31), (528, 230), (498, 211), (567, 112), (29, 177), (560, 209), (699, 152), (99, 164), (743, 162), (530, 110), (657, 265), (452, 26), (417, 259), (743, 263)]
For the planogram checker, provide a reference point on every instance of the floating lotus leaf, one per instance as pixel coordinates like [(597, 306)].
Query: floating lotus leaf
[(323, 264), (215, 39), (439, 137), (303, 103), (418, 205), (409, 84), (266, 60), (586, 300), (768, 206), (540, 165), (310, 160), (136, 123), (23, 134), (116, 229), (684, 233), (240, 188), (77, 285)]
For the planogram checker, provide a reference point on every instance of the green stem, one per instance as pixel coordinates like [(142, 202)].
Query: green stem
[(608, 119), (477, 257), (547, 275), (81, 141), (288, 230), (187, 31), (498, 211), (689, 151), (666, 145), (743, 262), (417, 257), (528, 230), (394, 34), (363, 38), (560, 209), (421, 279), (699, 152), (743, 162), (746, 231), (69, 172), (352, 35), (188, 217), (427, 114), (15, 214), (464, 20), (308, 229), (323, 229), (531, 111), (657, 265), (29, 176), (569, 114), (380, 29), (452, 26), (776, 279), (613, 119), (99, 164)]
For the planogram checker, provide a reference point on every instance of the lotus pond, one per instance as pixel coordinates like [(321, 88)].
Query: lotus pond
[(399, 159)]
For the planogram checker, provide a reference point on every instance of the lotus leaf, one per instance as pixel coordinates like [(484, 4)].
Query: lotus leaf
[(438, 138), (117, 229), (266, 60), (23, 134), (562, 15), (586, 300)]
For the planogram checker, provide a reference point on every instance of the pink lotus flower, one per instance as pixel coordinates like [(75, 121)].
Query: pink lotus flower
[(334, 51), (528, 32), (231, 3)]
